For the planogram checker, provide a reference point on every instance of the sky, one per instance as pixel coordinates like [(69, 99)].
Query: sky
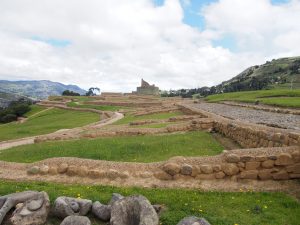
[(112, 44)]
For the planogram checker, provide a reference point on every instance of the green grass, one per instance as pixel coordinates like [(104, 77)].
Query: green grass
[(47, 122), (219, 208), (278, 97), (149, 148), (99, 107), (156, 116), (34, 109)]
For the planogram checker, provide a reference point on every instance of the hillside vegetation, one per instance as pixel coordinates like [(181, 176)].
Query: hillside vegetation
[(277, 97), (46, 122)]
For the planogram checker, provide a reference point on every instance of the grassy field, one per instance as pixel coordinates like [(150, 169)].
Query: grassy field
[(34, 109), (99, 107), (278, 97), (219, 208), (156, 116), (46, 122), (130, 149)]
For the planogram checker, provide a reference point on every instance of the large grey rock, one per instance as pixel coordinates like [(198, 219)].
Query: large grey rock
[(66, 206), (115, 197), (34, 211), (76, 220), (133, 210), (101, 211), (192, 220)]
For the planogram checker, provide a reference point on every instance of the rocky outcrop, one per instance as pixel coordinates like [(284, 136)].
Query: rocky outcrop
[(76, 220), (192, 220)]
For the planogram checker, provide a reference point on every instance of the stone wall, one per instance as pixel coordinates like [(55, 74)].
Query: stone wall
[(249, 135), (262, 164), (256, 164)]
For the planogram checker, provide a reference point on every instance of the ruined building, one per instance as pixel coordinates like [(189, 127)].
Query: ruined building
[(147, 89)]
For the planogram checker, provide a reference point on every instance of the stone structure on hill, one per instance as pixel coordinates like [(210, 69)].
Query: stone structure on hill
[(147, 89)]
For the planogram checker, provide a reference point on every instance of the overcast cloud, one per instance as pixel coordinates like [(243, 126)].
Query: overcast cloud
[(112, 44)]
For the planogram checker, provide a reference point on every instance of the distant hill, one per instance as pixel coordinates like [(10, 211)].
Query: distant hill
[(36, 89), (282, 72)]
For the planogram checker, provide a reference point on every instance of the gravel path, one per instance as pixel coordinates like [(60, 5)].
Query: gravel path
[(288, 121)]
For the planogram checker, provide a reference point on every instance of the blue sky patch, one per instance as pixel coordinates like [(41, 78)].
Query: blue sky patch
[(53, 42)]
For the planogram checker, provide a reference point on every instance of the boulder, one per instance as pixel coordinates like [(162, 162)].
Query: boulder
[(162, 175), (101, 211), (76, 220), (216, 168), (133, 210), (171, 168), (230, 169), (281, 175), (232, 158), (265, 174), (192, 220), (72, 170), (33, 211), (293, 168), (220, 175), (246, 158), (66, 206)]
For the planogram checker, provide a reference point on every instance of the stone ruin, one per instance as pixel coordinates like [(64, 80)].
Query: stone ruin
[(33, 208), (147, 89)]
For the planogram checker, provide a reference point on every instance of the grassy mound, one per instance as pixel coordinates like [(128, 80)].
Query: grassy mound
[(126, 149), (278, 97), (46, 122), (241, 208)]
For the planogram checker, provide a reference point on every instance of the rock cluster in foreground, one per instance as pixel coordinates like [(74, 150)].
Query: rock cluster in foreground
[(33, 208)]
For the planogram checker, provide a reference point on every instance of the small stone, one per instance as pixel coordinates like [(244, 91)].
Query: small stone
[(82, 171), (186, 169), (192, 220), (162, 175), (112, 174), (268, 164), (53, 170), (246, 158), (241, 164), (249, 174), (281, 175), (217, 168), (220, 175), (272, 157), (252, 165), (296, 156), (95, 174), (207, 169), (293, 168), (33, 170), (44, 169), (171, 168), (62, 168), (261, 158), (232, 158), (72, 171), (146, 175), (284, 159), (205, 176), (265, 174), (230, 169), (76, 220)]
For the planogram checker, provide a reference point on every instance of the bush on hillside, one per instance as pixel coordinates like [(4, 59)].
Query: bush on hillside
[(14, 110), (70, 93)]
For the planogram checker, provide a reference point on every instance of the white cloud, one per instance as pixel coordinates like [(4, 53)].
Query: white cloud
[(115, 43)]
